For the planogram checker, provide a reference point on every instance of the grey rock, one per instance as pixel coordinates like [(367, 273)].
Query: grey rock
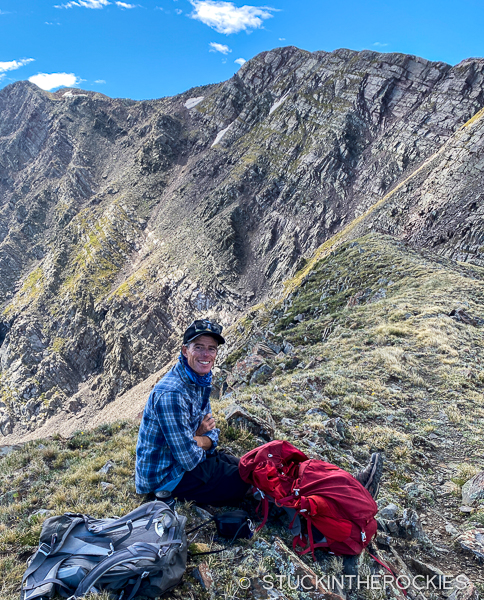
[(389, 511), (203, 514), (238, 416), (287, 347), (418, 490), (107, 467), (42, 512), (8, 497), (411, 526), (4, 450), (473, 489), (473, 541), (263, 374), (203, 575), (337, 425), (426, 569), (393, 527), (105, 485), (461, 588), (317, 411)]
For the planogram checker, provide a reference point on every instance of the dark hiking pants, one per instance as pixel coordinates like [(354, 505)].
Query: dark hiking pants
[(215, 481)]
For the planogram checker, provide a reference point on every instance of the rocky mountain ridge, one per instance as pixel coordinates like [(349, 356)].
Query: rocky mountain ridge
[(121, 220)]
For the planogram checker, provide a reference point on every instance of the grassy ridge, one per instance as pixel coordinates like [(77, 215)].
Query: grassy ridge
[(375, 346)]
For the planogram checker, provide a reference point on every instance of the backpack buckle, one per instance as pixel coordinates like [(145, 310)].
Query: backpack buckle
[(145, 575), (363, 536), (296, 492), (45, 549), (111, 550)]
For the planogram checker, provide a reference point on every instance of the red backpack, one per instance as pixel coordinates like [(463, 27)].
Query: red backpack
[(328, 497)]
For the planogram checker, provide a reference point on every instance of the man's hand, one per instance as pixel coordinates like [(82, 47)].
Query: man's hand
[(207, 424), (203, 442)]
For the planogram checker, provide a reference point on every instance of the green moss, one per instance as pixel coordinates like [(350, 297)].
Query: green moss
[(31, 290), (59, 344)]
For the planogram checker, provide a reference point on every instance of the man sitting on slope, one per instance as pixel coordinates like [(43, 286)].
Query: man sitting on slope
[(175, 454)]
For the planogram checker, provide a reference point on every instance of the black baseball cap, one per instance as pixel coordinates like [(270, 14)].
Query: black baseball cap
[(203, 327)]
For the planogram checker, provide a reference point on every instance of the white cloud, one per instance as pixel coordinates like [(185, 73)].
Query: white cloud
[(50, 81), (240, 61), (85, 4), (100, 81), (214, 47), (178, 11), (282, 39), (227, 18), (125, 5), (12, 65), (380, 44), (2, 75)]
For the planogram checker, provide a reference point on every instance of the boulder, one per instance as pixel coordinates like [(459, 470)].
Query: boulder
[(451, 530), (42, 512), (317, 411), (203, 575), (287, 347), (6, 426), (263, 374), (473, 541), (410, 525), (418, 490), (461, 588), (334, 430), (239, 417), (448, 488), (244, 369), (263, 349), (473, 489), (389, 511), (426, 569), (299, 570)]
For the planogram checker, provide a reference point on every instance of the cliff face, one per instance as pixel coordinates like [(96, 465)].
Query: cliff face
[(122, 220)]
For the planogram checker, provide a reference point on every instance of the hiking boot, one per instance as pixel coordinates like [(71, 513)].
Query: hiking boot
[(370, 476)]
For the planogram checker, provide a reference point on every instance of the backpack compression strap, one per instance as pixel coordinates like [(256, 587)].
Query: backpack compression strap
[(138, 551)]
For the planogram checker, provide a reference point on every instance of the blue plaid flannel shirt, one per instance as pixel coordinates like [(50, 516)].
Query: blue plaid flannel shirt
[(166, 448)]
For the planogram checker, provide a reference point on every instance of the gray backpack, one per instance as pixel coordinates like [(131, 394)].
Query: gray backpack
[(142, 553)]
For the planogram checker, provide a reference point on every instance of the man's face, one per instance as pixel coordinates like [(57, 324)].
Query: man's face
[(201, 353)]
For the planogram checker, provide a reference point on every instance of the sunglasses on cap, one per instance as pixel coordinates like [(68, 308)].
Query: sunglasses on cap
[(203, 325)]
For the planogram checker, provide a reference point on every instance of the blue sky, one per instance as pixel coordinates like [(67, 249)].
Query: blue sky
[(151, 48)]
